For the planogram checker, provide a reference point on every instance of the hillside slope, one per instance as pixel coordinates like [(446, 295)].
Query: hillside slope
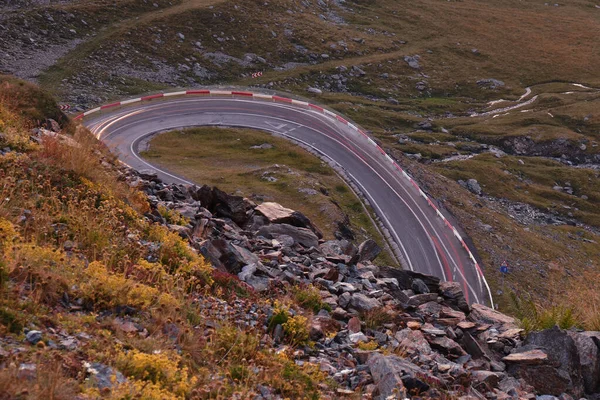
[(114, 285), (505, 93)]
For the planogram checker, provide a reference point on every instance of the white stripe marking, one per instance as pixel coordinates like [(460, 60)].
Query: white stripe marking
[(174, 94), (263, 96), (131, 101), (92, 111)]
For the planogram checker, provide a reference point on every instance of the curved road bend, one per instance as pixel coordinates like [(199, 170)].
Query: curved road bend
[(425, 244)]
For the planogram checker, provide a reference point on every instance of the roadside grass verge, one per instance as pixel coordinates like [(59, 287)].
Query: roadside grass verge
[(284, 173)]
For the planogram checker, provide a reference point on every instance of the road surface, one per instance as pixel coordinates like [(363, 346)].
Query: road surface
[(424, 241)]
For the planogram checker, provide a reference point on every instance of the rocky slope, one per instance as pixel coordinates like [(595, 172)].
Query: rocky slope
[(381, 331)]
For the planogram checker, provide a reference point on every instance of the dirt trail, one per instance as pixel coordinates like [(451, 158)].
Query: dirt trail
[(520, 104)]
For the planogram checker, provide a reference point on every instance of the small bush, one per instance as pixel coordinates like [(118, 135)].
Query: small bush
[(376, 317), (10, 320), (107, 289), (280, 315), (226, 285), (162, 369), (533, 317), (310, 299), (232, 344), (296, 330), (172, 216), (368, 346)]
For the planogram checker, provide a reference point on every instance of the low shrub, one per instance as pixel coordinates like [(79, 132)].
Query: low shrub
[(309, 298)]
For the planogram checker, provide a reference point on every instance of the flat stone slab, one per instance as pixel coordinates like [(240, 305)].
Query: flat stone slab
[(531, 357)]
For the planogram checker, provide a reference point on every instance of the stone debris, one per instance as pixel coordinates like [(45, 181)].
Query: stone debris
[(443, 341), (381, 331)]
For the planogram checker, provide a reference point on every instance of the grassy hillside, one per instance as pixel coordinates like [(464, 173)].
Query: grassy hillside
[(74, 269)]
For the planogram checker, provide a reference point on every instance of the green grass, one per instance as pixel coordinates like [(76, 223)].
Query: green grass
[(532, 182), (222, 157)]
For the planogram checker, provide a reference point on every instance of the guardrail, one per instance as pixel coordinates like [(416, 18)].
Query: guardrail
[(326, 112)]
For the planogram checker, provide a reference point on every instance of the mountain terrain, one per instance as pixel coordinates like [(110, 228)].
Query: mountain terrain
[(116, 285), (134, 287)]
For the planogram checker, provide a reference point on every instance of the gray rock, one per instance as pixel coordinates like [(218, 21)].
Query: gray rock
[(258, 283), (454, 296), (314, 90), (588, 347), (419, 287), (102, 376), (264, 146), (395, 376), (413, 61), (447, 346), (417, 300), (559, 373), (277, 214), (344, 299), (474, 186), (358, 337), (362, 302), (485, 315), (33, 337), (247, 272), (368, 250), (303, 236), (487, 379), (425, 125), (223, 255), (308, 191), (490, 83), (413, 342)]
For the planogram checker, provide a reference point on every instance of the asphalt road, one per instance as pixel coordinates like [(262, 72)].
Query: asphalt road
[(424, 243)]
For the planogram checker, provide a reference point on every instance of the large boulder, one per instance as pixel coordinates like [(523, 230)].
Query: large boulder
[(588, 347), (237, 208), (552, 364), (368, 250), (225, 256), (362, 302), (406, 278), (446, 346), (454, 296), (413, 342), (398, 378), (339, 251), (302, 236), (278, 214), (484, 315)]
